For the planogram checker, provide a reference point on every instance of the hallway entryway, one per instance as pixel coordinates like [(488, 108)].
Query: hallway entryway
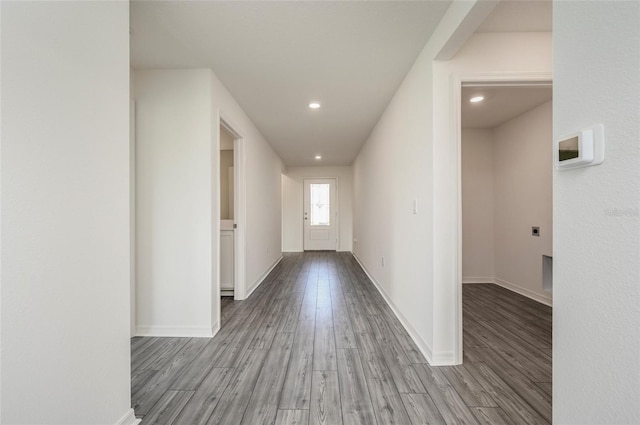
[(317, 344)]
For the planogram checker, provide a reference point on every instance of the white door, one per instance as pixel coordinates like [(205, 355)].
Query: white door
[(320, 215)]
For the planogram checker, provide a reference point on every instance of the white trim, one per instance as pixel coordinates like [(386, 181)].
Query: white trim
[(178, 331), (263, 277), (132, 216), (215, 328), (543, 299), (240, 208), (129, 418), (240, 219), (443, 358), (292, 250), (472, 280), (457, 80), (435, 359)]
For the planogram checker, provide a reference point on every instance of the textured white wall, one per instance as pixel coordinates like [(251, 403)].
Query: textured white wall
[(596, 335), (523, 164), (65, 213), (174, 202), (292, 205), (477, 206)]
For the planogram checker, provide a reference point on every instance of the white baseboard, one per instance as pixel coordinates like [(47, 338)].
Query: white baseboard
[(443, 358), (178, 331), (478, 280), (291, 250), (262, 278), (215, 327), (129, 418), (420, 343), (543, 299)]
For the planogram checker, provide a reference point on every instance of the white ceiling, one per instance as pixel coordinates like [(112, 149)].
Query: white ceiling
[(277, 56), (500, 104)]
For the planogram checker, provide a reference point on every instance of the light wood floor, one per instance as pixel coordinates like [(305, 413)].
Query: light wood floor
[(316, 344)]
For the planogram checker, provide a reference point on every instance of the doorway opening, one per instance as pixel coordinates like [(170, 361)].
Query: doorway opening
[(320, 210), (227, 208), (504, 137), (230, 282)]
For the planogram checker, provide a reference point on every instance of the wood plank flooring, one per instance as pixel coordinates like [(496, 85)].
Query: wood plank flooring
[(317, 344)]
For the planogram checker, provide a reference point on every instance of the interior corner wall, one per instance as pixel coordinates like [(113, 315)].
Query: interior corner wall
[(523, 165), (506, 189), (596, 244), (477, 206), (174, 202), (65, 213), (263, 197), (292, 201)]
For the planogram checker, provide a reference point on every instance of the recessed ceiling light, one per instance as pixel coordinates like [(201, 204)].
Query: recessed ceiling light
[(318, 157), (314, 105), (476, 99)]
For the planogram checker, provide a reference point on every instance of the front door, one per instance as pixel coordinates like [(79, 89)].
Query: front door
[(320, 215)]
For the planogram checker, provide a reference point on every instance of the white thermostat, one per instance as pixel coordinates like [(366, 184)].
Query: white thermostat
[(580, 149)]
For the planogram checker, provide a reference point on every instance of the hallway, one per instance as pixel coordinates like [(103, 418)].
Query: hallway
[(317, 344)]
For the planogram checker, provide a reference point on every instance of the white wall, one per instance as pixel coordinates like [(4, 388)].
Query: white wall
[(411, 155), (65, 213), (477, 206), (396, 167), (494, 54), (523, 165), (292, 205), (506, 189), (174, 202), (596, 335), (178, 209)]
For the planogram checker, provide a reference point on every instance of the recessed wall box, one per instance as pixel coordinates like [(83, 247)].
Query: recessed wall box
[(580, 149)]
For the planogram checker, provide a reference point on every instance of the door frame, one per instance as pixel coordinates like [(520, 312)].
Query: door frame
[(240, 211), (515, 79), (337, 207)]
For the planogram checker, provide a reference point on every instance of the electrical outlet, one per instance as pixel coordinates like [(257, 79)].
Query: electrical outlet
[(382, 261)]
